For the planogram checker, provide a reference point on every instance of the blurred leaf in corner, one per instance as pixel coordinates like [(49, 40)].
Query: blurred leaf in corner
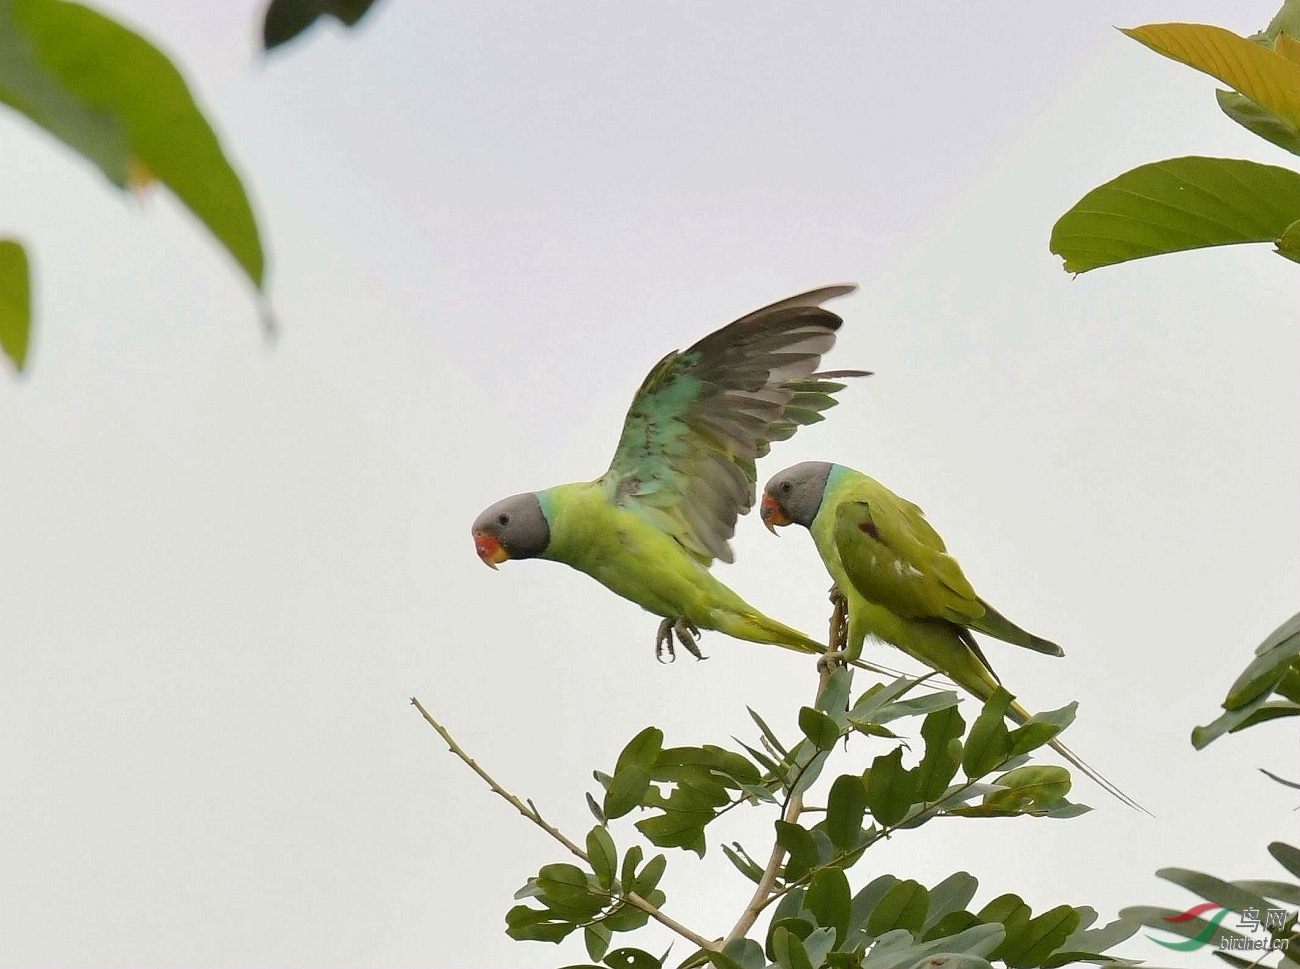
[(113, 97), (286, 19), (15, 302)]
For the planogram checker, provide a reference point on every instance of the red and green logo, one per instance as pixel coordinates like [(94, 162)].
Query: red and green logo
[(1201, 938)]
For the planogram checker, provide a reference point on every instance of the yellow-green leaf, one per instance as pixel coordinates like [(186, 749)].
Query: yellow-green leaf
[(1257, 121), (96, 85), (1288, 243), (15, 302), (1174, 205), (1263, 75)]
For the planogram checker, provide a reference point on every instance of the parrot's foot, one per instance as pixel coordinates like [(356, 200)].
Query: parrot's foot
[(830, 661), (687, 634), (837, 597)]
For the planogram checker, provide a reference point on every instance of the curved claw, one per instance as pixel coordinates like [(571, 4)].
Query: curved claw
[(664, 643), (687, 634)]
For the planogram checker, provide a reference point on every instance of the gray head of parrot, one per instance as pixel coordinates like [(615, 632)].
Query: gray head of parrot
[(798, 490), (513, 528)]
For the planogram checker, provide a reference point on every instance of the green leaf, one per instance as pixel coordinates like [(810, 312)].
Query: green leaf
[(626, 791), (596, 937), (629, 958), (15, 300), (865, 902), (647, 879), (788, 950), (951, 923), (631, 861), (829, 900), (1286, 856), (1035, 786), (1175, 205), (286, 19), (939, 764), (631, 780), (1258, 121), (917, 706), (1278, 891), (833, 700), (1159, 918), (735, 770), (903, 907), (1262, 75), (768, 735), (677, 829), (798, 842), (1041, 728), (1012, 912), (1273, 658), (1258, 710), (31, 88), (1100, 939), (820, 729), (845, 806), (642, 750), (602, 856), (745, 953), (526, 924), (625, 918), (877, 696), (1040, 937), (118, 77), (744, 864), (819, 944), (564, 889), (989, 742), (1213, 889), (890, 789), (950, 895), (790, 905)]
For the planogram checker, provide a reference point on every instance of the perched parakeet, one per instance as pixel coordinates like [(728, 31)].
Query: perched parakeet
[(649, 527), (900, 584)]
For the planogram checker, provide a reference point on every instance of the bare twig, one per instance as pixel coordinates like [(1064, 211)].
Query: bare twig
[(763, 891), (530, 811)]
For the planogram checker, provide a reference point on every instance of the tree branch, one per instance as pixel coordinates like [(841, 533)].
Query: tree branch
[(529, 810), (794, 807)]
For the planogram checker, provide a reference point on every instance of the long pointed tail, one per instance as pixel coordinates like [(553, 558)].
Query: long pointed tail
[(758, 628), (1097, 777), (1020, 715)]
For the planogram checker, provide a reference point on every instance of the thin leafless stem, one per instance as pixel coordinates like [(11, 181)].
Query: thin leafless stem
[(529, 810), (794, 807)]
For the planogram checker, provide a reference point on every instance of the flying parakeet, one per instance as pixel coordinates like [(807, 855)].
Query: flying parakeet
[(900, 584), (648, 528)]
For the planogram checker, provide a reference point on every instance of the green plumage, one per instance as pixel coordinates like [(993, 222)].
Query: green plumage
[(630, 555), (684, 471), (901, 584), (902, 587)]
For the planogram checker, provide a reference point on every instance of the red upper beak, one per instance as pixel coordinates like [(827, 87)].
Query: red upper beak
[(772, 513), (489, 549)]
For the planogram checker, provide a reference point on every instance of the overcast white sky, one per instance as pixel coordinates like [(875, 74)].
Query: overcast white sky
[(227, 565)]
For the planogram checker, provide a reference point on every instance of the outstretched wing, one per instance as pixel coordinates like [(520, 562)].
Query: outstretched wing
[(685, 460)]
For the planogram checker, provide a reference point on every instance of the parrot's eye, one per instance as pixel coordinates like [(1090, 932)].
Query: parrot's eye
[(503, 520), (785, 487)]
